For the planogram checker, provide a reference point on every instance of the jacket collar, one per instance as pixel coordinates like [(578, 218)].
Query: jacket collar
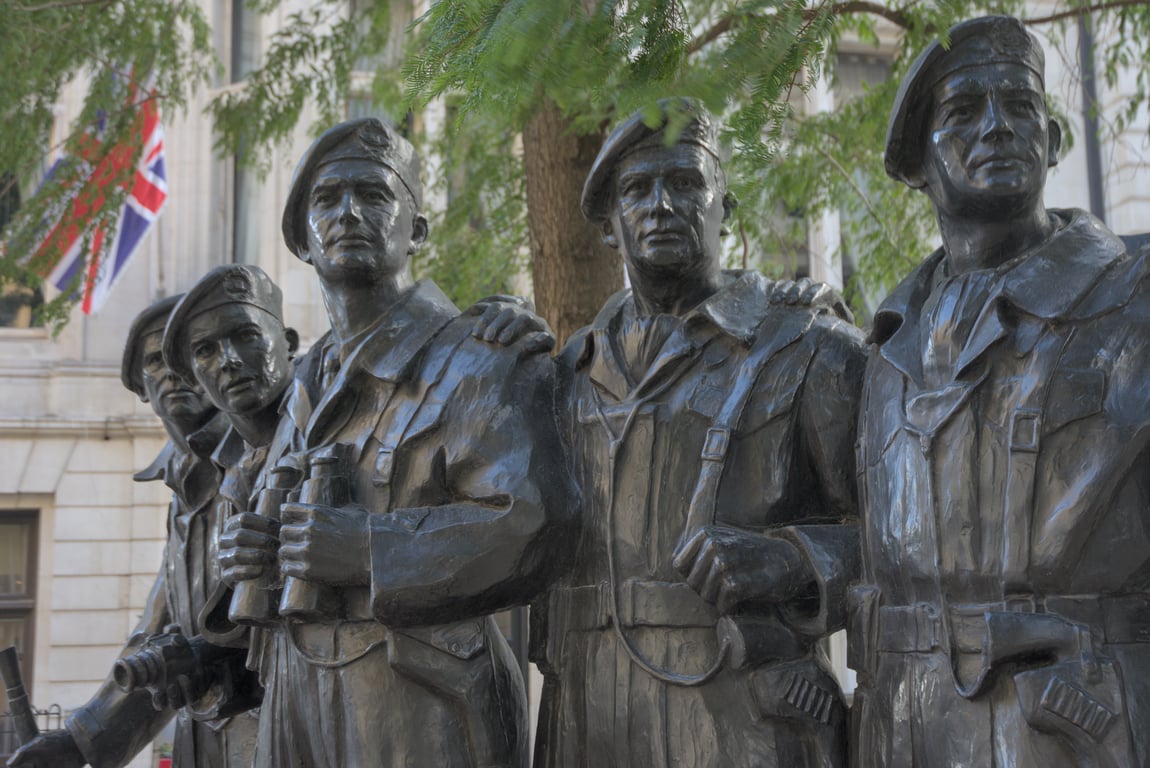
[(388, 351), (203, 443), (390, 348), (159, 468), (735, 310), (1069, 276), (230, 450)]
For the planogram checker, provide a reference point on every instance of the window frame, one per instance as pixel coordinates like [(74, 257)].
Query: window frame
[(24, 607)]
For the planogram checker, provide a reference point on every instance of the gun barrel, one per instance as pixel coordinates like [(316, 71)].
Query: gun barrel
[(23, 718)]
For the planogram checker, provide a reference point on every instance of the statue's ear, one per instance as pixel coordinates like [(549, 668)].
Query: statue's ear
[(418, 233), (610, 239), (1054, 143), (419, 229), (292, 339), (730, 203), (302, 251)]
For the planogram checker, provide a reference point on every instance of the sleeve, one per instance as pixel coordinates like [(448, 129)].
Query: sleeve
[(508, 498), (113, 726), (828, 425)]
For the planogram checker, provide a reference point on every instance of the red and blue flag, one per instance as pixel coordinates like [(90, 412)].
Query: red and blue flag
[(87, 252)]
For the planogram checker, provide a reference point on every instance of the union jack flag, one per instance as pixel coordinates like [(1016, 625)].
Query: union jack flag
[(94, 258)]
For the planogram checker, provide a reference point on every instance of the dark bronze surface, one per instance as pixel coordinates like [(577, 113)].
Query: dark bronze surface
[(435, 494), (711, 429), (115, 725), (1002, 622)]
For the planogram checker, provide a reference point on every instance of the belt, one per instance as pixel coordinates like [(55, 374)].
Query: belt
[(640, 604), (357, 604), (918, 628)]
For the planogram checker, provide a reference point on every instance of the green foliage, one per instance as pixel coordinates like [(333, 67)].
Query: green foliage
[(113, 47), (752, 61), (477, 235), (308, 61)]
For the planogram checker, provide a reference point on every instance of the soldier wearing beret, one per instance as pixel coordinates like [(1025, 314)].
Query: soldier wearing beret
[(435, 494), (711, 430), (1004, 617), (114, 726), (227, 334)]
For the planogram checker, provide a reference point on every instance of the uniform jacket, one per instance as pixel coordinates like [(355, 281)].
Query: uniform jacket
[(1010, 480), (787, 473), (112, 727), (453, 449)]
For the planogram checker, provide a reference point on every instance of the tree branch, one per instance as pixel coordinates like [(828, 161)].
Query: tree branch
[(899, 17), (1106, 5), (858, 191), (60, 4), (893, 15), (724, 24)]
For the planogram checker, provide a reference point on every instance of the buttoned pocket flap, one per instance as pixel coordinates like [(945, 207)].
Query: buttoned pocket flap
[(707, 399), (1074, 394), (774, 395)]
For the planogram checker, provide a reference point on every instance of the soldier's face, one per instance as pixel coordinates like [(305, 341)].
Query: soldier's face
[(361, 222), (172, 399), (988, 142), (241, 356), (667, 212)]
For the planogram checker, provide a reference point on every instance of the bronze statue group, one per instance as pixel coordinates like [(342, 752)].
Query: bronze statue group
[(713, 476)]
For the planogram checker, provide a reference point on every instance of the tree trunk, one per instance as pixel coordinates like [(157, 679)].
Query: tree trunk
[(573, 271)]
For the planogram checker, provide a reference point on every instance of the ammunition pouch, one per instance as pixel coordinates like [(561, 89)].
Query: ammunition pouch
[(1082, 704), (806, 696), (1047, 645)]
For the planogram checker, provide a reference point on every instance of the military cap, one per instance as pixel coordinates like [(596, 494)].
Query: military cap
[(229, 284), (367, 139), (151, 320), (633, 134), (977, 42)]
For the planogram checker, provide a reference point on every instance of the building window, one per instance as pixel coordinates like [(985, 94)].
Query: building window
[(18, 537), (18, 300)]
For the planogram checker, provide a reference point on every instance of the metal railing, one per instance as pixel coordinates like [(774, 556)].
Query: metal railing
[(50, 719)]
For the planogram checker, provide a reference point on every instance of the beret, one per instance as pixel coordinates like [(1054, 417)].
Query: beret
[(229, 284), (365, 138), (634, 133), (151, 320), (977, 42)]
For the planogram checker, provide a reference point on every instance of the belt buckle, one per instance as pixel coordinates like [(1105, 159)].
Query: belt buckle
[(1021, 604), (716, 445), (926, 622)]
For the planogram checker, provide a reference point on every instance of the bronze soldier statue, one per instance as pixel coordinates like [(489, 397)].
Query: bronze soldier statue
[(435, 494), (114, 726), (228, 334), (711, 432), (1005, 620)]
